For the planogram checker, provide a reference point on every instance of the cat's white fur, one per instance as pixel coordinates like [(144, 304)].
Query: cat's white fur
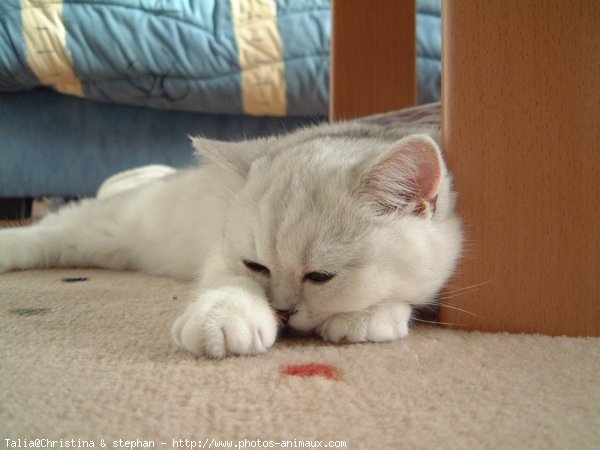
[(373, 206)]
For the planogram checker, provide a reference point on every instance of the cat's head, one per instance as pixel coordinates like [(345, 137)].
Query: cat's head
[(334, 222)]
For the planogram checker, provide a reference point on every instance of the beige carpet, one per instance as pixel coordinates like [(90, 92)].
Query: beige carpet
[(92, 360)]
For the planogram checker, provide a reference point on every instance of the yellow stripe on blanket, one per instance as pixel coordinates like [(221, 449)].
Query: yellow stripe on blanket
[(261, 57), (46, 42)]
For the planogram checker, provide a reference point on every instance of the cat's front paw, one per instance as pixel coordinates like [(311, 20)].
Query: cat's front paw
[(226, 321), (383, 322)]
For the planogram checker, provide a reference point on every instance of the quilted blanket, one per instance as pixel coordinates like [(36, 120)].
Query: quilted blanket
[(257, 57), (237, 56)]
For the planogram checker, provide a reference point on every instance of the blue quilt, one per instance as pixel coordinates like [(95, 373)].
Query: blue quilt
[(257, 57)]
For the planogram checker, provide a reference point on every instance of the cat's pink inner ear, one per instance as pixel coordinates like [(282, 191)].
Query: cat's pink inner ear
[(429, 169), (408, 176)]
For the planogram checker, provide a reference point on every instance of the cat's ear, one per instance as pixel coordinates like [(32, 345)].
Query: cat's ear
[(405, 178), (237, 156)]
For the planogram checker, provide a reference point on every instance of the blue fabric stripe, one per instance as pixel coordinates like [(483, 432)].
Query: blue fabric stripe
[(161, 72), (15, 73), (433, 7), (429, 36), (306, 41)]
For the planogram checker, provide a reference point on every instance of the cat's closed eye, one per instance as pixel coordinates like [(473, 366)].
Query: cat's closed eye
[(256, 267), (319, 277)]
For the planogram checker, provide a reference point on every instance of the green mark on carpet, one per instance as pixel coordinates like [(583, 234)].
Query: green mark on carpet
[(26, 312)]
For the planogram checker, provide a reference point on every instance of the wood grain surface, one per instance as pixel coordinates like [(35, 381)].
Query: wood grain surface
[(373, 53), (521, 111)]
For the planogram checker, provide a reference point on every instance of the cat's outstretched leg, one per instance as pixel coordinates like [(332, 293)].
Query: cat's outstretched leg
[(82, 234)]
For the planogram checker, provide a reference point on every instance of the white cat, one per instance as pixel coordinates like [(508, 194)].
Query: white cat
[(336, 230)]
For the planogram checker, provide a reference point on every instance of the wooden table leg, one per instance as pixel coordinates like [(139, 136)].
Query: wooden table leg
[(521, 112), (373, 53)]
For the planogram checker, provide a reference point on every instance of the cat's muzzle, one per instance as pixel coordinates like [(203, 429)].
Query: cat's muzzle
[(282, 315)]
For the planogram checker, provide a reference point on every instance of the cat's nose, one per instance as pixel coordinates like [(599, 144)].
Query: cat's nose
[(283, 315)]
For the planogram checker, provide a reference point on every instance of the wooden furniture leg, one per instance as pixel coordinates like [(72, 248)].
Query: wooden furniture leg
[(521, 111), (373, 53)]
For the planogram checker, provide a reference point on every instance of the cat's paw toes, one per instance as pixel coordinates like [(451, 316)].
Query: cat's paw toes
[(380, 323), (350, 327), (226, 322)]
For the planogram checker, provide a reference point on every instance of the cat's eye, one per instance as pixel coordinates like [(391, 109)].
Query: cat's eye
[(256, 267), (319, 277)]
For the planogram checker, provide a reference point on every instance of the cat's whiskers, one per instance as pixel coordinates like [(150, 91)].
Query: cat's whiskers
[(461, 291), (429, 306), (436, 322), (445, 305)]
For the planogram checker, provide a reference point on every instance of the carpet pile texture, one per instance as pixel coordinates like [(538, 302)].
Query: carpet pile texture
[(90, 360)]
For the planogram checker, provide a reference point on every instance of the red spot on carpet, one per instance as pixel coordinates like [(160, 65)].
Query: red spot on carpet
[(312, 370)]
